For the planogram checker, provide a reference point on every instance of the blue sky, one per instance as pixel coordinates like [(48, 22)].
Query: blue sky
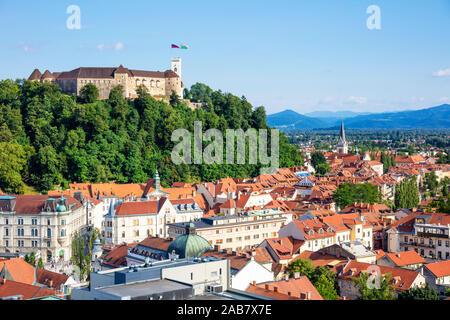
[(301, 55)]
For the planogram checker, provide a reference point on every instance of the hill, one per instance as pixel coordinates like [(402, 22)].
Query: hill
[(290, 119), (429, 118), (49, 139), (335, 114)]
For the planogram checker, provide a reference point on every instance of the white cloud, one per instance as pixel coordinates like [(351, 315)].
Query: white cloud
[(100, 46), (444, 99), (118, 46), (358, 100), (442, 73)]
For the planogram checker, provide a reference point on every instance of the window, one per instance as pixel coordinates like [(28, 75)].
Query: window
[(192, 276), (63, 232), (63, 222), (34, 222), (48, 222), (439, 243), (6, 232), (229, 240), (20, 221), (6, 221), (7, 243), (49, 233), (123, 234), (447, 243)]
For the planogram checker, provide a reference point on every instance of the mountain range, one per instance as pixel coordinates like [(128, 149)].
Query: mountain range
[(429, 118)]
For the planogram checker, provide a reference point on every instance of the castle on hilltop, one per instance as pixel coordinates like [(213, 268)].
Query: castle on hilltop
[(158, 83)]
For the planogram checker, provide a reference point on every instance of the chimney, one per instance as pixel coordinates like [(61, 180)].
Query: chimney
[(297, 275), (286, 277), (50, 284), (275, 289), (302, 296), (289, 293), (266, 286), (254, 282), (308, 295)]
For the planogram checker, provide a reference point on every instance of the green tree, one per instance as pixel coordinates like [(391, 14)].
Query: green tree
[(326, 288), (385, 290), (322, 169), (348, 193), (407, 194), (317, 158), (431, 181), (304, 266), (174, 99), (89, 93), (40, 264), (12, 162), (82, 252), (425, 293)]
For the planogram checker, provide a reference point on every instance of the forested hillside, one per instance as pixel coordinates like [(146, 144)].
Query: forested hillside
[(48, 139)]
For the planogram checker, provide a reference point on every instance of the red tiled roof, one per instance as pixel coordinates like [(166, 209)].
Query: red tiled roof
[(269, 293), (156, 243), (439, 269), (19, 270), (405, 277), (116, 257), (141, 207), (50, 279), (405, 258), (294, 286), (237, 261), (33, 204), (10, 288)]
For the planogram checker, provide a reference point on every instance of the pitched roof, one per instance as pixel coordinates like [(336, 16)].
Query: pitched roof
[(324, 260), (295, 286), (252, 288), (50, 279), (237, 261), (284, 247), (116, 256), (156, 243), (33, 204), (10, 288), (47, 75), (18, 270), (35, 75), (405, 277), (140, 207), (439, 269), (405, 258)]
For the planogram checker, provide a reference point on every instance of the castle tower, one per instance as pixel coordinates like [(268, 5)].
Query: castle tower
[(342, 146), (176, 66)]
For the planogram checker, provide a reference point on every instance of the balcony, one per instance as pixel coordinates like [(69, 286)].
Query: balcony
[(416, 244), (433, 235)]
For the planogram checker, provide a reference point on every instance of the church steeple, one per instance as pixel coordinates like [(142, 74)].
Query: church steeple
[(342, 146), (342, 136)]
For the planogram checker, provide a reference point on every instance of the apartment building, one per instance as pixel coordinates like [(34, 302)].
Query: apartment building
[(426, 233), (136, 220), (40, 223), (236, 232), (326, 231)]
